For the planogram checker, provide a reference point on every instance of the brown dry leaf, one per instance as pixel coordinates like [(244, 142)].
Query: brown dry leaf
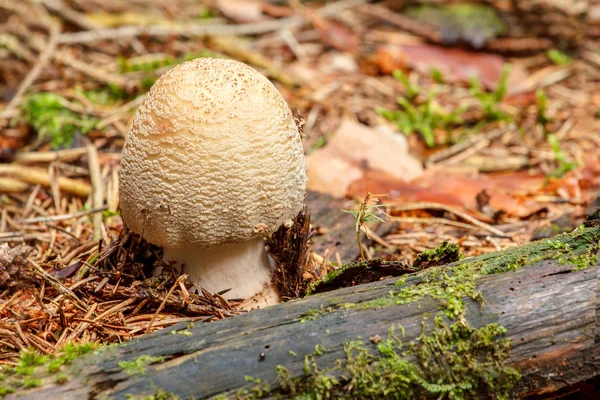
[(337, 35), (355, 149), (580, 185), (459, 189), (456, 65)]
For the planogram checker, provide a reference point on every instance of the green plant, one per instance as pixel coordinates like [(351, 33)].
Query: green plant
[(447, 362), (139, 364), (564, 166), (412, 89), (558, 57), (542, 110), (424, 117), (490, 101), (48, 115), (437, 75), (366, 213)]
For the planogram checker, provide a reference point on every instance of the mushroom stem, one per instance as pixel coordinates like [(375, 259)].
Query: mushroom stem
[(245, 268)]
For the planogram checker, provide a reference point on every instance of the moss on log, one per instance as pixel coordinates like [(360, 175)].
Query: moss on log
[(514, 323)]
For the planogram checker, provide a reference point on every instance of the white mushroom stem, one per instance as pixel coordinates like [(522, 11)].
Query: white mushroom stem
[(245, 268)]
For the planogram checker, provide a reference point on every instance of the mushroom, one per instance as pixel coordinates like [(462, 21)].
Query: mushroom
[(212, 164)]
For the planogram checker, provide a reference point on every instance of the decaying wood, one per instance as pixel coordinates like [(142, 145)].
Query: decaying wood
[(548, 308)]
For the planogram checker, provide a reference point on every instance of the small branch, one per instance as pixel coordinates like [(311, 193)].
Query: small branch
[(57, 285), (255, 28), (164, 302), (64, 216), (32, 76), (39, 176), (463, 215), (97, 189)]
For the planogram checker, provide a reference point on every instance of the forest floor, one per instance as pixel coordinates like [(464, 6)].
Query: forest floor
[(470, 125)]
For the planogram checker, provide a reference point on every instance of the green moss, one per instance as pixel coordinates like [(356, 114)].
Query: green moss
[(472, 23), (33, 368), (46, 113), (185, 332), (159, 395), (31, 382), (449, 360), (445, 253), (454, 362), (451, 284), (106, 95), (139, 364), (258, 391)]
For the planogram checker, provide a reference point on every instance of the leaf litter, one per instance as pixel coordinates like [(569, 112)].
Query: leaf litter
[(489, 164)]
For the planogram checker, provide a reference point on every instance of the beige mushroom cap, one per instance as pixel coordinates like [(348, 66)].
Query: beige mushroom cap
[(213, 156)]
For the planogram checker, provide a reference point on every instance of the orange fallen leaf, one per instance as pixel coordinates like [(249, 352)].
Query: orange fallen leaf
[(456, 65), (507, 192), (355, 149)]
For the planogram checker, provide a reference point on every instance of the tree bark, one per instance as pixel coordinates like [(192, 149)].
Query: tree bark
[(548, 307)]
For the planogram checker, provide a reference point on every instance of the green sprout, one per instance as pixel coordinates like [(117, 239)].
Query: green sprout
[(366, 213), (558, 57), (412, 89), (423, 118), (490, 101), (542, 116), (437, 76), (564, 166)]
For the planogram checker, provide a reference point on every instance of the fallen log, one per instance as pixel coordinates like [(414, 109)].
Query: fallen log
[(516, 323)]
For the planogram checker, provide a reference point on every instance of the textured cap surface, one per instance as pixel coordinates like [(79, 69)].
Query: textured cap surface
[(213, 156)]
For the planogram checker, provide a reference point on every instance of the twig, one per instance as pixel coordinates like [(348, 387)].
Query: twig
[(65, 155), (444, 221), (31, 77), (68, 14), (486, 139), (57, 285), (438, 206), (8, 185), (64, 216), (97, 189), (254, 28), (164, 302), (39, 176), (401, 21)]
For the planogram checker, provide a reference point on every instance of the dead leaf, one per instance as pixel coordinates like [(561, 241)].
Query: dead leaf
[(242, 11), (456, 65), (355, 149), (458, 188), (337, 35)]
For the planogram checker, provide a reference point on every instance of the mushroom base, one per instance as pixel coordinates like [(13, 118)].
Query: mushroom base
[(245, 268)]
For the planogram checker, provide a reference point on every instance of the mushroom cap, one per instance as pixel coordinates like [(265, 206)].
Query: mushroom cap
[(213, 156)]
